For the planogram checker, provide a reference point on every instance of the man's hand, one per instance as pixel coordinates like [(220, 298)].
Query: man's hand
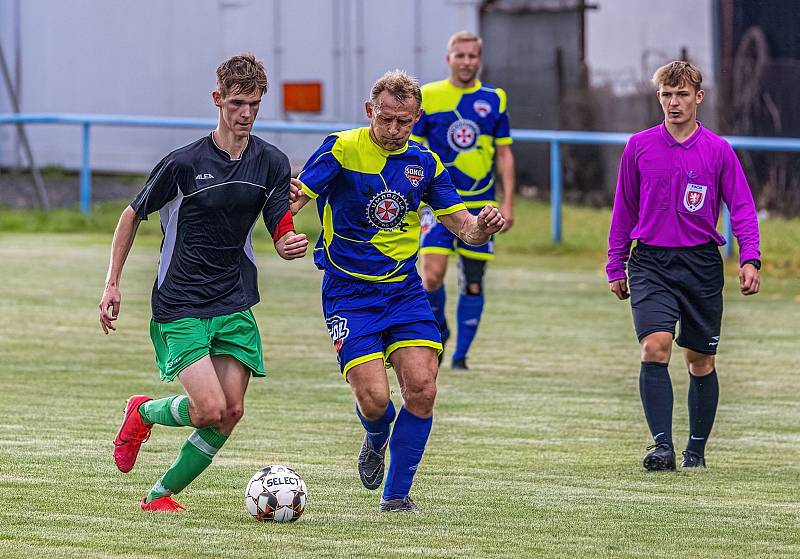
[(749, 280), (620, 289), (111, 298), (508, 214), (292, 245), (297, 198), (490, 220)]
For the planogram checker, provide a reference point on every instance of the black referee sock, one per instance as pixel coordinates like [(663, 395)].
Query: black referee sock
[(655, 388), (703, 399)]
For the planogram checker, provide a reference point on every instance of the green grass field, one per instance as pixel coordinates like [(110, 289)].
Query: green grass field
[(535, 452)]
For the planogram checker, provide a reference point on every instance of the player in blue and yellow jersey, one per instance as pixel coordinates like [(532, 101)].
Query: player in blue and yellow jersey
[(466, 124), (370, 184)]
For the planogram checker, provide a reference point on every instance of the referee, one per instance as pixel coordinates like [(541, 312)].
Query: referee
[(672, 181)]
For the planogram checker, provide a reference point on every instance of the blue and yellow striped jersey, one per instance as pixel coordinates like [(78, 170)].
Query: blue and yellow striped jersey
[(368, 200), (463, 126)]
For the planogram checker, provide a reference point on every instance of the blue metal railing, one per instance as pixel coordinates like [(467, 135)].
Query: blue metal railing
[(554, 137)]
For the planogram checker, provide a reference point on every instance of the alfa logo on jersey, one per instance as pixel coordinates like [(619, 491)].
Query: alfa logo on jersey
[(414, 174), (482, 107), (387, 210), (463, 134), (337, 328), (694, 197)]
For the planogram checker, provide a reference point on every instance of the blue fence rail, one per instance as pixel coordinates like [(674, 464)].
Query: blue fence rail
[(556, 138)]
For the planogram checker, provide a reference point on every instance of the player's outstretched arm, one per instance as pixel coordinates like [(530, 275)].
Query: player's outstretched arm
[(474, 230), (297, 198), (120, 247), (292, 245)]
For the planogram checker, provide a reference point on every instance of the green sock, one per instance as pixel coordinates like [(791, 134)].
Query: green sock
[(172, 411), (195, 456)]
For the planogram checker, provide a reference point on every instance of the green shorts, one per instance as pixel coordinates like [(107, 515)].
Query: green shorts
[(181, 342)]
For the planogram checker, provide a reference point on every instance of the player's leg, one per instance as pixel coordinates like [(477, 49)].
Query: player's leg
[(177, 345), (416, 369), (655, 312), (376, 412), (701, 322), (207, 406), (470, 307), (436, 245)]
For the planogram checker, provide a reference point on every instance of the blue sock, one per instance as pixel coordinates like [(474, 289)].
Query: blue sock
[(378, 430), (437, 300), (468, 316), (406, 446), (655, 388)]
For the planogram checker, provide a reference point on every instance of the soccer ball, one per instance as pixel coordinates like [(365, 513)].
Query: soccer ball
[(276, 494)]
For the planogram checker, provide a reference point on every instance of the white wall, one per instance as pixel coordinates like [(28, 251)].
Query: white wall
[(155, 57), (627, 40)]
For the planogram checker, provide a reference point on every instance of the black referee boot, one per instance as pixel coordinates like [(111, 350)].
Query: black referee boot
[(692, 460), (661, 458)]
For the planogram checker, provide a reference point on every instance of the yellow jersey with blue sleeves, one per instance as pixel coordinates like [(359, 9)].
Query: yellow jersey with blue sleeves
[(368, 201), (463, 127)]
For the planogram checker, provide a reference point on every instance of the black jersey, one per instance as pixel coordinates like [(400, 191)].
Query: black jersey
[(209, 204)]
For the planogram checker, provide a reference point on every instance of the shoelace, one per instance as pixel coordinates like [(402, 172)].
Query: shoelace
[(139, 437), (655, 446)]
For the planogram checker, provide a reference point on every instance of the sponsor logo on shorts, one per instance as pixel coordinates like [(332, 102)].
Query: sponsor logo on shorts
[(337, 328), (695, 197), (482, 107), (414, 174), (463, 134), (387, 210), (715, 342), (204, 176)]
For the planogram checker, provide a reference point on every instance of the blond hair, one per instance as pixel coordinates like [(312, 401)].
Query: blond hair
[(463, 37), (678, 73), (241, 73), (399, 85)]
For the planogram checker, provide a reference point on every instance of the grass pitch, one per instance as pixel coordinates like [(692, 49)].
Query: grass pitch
[(535, 452)]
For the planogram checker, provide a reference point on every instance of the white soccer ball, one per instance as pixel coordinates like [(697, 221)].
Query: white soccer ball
[(276, 494)]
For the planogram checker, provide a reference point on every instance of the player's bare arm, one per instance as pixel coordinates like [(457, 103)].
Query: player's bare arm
[(620, 289), (292, 245), (297, 198), (120, 247), (474, 230), (504, 158), (749, 280)]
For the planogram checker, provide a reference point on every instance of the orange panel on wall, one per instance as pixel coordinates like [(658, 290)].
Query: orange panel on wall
[(305, 97)]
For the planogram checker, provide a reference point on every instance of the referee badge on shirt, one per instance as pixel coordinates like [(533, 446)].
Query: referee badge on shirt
[(694, 197)]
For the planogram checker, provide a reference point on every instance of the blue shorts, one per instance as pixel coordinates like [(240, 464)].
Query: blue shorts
[(437, 239), (368, 320)]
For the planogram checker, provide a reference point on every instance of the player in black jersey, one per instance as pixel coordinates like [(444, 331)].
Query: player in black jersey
[(209, 195)]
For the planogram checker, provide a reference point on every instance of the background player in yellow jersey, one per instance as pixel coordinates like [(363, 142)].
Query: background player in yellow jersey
[(466, 124), (369, 185)]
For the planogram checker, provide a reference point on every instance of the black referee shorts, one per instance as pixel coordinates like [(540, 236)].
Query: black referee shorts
[(670, 285)]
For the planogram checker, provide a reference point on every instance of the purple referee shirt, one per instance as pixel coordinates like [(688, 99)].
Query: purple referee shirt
[(669, 194)]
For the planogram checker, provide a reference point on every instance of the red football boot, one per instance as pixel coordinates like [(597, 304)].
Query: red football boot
[(132, 433), (162, 504)]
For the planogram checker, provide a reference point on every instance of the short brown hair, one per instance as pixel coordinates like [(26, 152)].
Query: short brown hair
[(241, 73), (399, 85), (463, 37), (678, 73)]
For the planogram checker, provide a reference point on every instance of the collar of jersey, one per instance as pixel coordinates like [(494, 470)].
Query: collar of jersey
[(687, 143), (467, 90), (225, 153), (379, 149)]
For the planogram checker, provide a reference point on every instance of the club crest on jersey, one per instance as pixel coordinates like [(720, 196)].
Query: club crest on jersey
[(337, 328), (463, 134), (694, 197), (387, 210), (414, 174), (482, 107)]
